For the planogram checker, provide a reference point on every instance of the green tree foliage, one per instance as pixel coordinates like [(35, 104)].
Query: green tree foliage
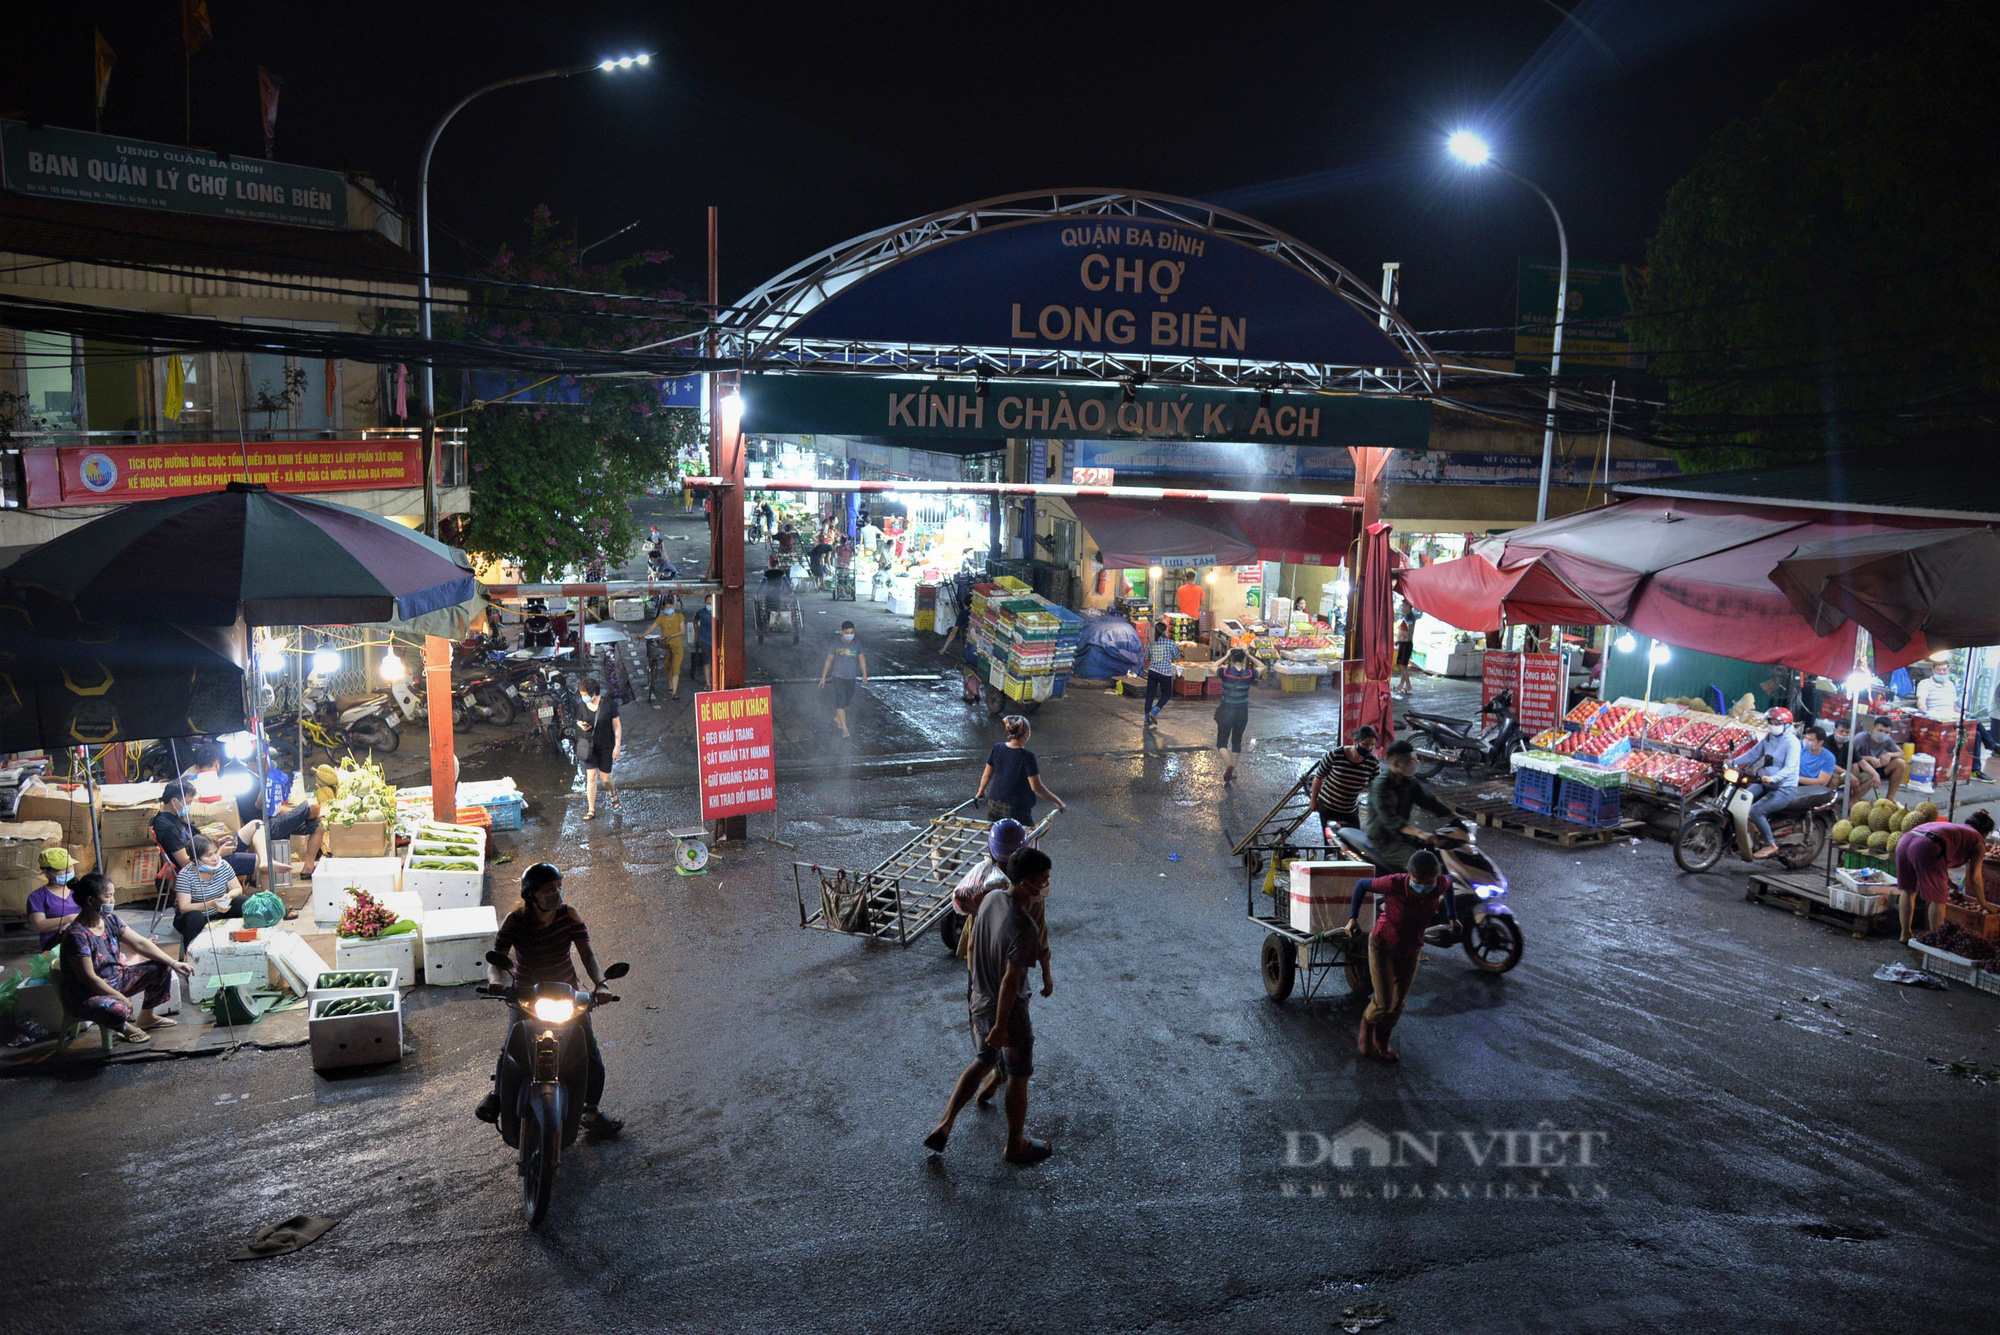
[(550, 482), (1827, 277)]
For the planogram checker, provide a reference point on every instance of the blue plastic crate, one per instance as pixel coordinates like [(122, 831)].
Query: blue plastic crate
[(1061, 682), (505, 812), (1534, 790), (1586, 805)]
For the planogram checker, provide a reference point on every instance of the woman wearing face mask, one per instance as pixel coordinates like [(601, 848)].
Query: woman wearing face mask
[(604, 738), (93, 984), (1233, 714), (206, 890), (845, 661), (50, 909)]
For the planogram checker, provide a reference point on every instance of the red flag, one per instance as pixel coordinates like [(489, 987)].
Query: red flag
[(268, 87), (195, 28)]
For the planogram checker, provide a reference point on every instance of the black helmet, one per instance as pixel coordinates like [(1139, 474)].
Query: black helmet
[(539, 875)]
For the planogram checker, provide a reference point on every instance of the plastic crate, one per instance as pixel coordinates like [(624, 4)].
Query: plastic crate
[(1589, 805), (1060, 683), (1190, 690), (1213, 686), (505, 812), (1298, 681), (1534, 790)]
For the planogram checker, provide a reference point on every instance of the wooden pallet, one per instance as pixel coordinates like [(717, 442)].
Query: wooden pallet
[(1500, 813), (1804, 893)]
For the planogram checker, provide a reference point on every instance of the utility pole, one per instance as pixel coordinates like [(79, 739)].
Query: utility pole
[(726, 514)]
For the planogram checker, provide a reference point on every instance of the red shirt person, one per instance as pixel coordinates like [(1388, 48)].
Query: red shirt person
[(1409, 903), (1925, 857)]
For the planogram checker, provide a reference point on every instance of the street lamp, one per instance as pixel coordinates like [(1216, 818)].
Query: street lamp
[(608, 65), (1473, 150)]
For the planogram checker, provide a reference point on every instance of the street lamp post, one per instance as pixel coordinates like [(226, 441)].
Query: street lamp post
[(1474, 151), (429, 400)]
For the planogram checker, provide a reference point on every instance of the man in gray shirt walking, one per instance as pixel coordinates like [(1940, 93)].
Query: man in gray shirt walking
[(1006, 943)]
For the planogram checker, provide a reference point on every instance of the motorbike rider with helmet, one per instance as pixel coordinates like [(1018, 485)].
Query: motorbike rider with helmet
[(1778, 758), (539, 936)]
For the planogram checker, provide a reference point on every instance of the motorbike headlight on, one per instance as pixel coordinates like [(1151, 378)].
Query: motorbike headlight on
[(554, 1010), (1489, 891), (1729, 776)]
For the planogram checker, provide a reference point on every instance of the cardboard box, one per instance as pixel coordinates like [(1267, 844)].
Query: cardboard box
[(219, 810), (55, 804), (1322, 892), (133, 868), (21, 843), (371, 839), (15, 887), (127, 826)]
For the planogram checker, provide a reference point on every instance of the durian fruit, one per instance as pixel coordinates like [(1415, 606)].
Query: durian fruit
[(1860, 813), (1858, 840), (1929, 811), (1911, 820), (1878, 842), (1896, 837), (1878, 819), (1842, 829)]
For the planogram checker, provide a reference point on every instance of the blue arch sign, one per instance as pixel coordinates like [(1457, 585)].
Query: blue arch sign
[(1110, 285)]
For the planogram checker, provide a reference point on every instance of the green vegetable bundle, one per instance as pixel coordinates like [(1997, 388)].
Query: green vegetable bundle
[(344, 982), (351, 1006), (443, 864)]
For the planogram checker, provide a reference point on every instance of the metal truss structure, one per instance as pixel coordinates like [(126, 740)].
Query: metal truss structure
[(756, 331)]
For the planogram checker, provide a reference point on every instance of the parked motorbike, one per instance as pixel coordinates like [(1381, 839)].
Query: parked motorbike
[(1472, 745), (542, 1075), (549, 697), (1493, 939), (490, 695), (1722, 822)]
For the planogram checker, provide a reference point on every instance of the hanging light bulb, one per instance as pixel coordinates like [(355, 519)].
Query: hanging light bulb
[(1627, 643), (1658, 654), (271, 660), (392, 666), (326, 662)]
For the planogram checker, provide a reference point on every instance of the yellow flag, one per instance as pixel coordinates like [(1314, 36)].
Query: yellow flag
[(176, 396), (106, 58)]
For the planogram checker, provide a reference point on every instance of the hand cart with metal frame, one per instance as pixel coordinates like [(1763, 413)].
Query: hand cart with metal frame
[(909, 891), (1288, 952), (1279, 824)]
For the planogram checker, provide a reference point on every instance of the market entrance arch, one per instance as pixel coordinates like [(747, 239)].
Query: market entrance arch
[(1097, 313)]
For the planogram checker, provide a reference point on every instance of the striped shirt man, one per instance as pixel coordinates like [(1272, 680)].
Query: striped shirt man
[(542, 954), (1343, 776)]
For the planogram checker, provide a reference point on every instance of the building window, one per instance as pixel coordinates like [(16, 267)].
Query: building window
[(48, 366)]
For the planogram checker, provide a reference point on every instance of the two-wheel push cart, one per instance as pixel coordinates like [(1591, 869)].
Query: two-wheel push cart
[(905, 894), (1291, 957)]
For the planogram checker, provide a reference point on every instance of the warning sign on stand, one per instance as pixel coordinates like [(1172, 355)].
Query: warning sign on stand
[(733, 758)]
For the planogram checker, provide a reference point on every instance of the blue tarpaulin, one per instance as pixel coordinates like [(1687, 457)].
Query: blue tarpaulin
[(1108, 647)]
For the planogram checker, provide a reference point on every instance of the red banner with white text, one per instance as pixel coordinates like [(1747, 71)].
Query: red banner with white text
[(734, 768), (96, 474)]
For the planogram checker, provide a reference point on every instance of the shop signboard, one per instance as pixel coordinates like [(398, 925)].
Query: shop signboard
[(734, 768), (1543, 686), (1597, 308), (95, 474), (1310, 463), (1537, 681), (881, 406), (1104, 285), (106, 169), (1093, 477)]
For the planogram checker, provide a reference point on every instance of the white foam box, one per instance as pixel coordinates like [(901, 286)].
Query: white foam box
[(397, 952), (445, 889), (356, 1040), (455, 944), (381, 980), (1321, 893), (333, 877), (215, 955)]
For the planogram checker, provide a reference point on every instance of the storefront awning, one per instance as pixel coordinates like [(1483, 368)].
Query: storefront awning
[(1185, 534)]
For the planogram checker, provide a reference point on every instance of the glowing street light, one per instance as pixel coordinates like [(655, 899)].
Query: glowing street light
[(429, 382), (1468, 148), (1473, 151)]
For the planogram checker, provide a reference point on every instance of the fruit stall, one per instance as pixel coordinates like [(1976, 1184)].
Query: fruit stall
[(1666, 754)]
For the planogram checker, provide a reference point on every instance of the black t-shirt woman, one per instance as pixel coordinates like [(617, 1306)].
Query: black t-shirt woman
[(1012, 779), (603, 737)]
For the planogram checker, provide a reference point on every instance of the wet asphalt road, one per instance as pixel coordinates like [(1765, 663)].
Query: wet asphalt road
[(1767, 1147)]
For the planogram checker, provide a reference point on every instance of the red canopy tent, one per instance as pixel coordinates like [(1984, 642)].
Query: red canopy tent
[(1697, 574), (1139, 533), (1378, 659)]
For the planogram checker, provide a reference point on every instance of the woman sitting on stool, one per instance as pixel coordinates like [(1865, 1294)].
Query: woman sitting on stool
[(92, 983), (206, 891)]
